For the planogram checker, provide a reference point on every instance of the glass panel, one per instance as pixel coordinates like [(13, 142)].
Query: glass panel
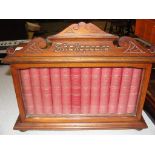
[(94, 91)]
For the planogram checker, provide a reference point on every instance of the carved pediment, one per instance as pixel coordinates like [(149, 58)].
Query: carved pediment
[(82, 40), (82, 30)]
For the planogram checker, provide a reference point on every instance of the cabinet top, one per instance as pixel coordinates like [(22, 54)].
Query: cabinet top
[(83, 42)]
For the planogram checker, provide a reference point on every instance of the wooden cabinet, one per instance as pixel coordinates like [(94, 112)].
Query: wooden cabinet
[(80, 78)]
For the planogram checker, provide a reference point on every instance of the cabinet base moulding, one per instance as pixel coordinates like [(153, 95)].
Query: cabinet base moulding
[(24, 126)]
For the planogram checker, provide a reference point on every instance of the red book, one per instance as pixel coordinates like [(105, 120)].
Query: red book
[(76, 90), (105, 89), (95, 90), (46, 90), (85, 89), (27, 91), (134, 90), (66, 90), (36, 90), (115, 89), (56, 90), (125, 90)]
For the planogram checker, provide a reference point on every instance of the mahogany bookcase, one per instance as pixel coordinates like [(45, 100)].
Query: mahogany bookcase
[(106, 77)]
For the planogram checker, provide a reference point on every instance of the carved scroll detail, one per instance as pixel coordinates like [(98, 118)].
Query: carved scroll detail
[(37, 45), (133, 48), (131, 45)]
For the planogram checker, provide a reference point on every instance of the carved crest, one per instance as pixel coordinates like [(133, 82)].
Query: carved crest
[(82, 40), (82, 30)]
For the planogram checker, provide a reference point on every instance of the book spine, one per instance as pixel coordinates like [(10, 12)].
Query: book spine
[(56, 90), (46, 90), (27, 91), (125, 90), (76, 90), (85, 89), (114, 90), (95, 90), (134, 90), (36, 90), (66, 90), (105, 89)]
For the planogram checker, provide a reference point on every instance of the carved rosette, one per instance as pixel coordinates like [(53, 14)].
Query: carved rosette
[(131, 45)]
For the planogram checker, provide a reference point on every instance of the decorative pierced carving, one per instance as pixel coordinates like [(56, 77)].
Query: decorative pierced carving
[(131, 45), (77, 47)]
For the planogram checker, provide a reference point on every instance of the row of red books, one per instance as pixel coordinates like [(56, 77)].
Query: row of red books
[(80, 90)]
